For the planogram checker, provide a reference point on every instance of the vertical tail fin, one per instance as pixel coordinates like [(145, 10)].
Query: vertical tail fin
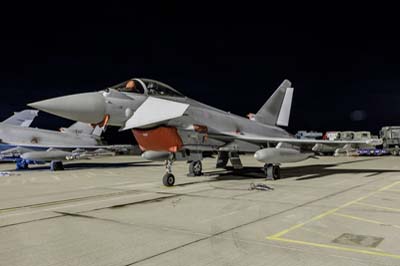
[(80, 128), (23, 118), (276, 110)]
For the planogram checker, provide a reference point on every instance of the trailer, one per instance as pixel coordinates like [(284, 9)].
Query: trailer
[(390, 136)]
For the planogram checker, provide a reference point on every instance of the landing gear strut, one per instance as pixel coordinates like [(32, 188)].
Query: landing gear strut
[(169, 178), (271, 171), (195, 168), (222, 160)]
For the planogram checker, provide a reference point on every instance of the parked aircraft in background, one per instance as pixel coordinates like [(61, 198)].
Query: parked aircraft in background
[(26, 145), (22, 119), (167, 125)]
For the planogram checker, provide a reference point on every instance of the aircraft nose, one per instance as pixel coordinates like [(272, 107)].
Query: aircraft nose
[(85, 107)]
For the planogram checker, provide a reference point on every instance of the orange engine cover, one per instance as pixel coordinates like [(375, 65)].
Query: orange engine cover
[(158, 139)]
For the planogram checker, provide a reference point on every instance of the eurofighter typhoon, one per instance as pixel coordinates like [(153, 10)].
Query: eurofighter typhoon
[(170, 126)]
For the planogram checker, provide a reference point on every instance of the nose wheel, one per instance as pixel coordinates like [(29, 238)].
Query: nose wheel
[(271, 171), (169, 178)]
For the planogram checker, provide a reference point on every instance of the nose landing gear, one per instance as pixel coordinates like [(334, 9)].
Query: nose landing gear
[(169, 178)]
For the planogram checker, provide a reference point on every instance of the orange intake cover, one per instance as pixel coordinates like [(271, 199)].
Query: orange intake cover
[(158, 139)]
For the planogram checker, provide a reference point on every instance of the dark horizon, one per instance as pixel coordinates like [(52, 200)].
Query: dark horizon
[(344, 66)]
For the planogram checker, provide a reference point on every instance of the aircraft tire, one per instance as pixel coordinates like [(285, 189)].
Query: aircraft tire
[(56, 166), (196, 168), (276, 172), (272, 172), (168, 180)]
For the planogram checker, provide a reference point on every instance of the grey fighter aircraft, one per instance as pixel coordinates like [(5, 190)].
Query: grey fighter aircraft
[(25, 145), (170, 126)]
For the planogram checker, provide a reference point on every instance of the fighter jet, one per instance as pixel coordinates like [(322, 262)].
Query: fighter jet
[(170, 126), (25, 145)]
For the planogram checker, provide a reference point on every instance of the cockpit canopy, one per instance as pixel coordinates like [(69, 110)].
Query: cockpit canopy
[(147, 86)]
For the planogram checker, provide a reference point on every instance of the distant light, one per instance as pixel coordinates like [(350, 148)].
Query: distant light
[(358, 115)]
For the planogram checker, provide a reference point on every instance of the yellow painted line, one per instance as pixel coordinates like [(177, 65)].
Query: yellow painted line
[(394, 190), (331, 211), (378, 206), (390, 186), (320, 216), (8, 210), (284, 232), (364, 220), (355, 250)]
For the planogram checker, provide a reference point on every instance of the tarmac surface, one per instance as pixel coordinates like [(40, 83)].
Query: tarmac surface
[(115, 211)]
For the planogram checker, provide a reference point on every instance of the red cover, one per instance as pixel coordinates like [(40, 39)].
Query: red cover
[(158, 139)]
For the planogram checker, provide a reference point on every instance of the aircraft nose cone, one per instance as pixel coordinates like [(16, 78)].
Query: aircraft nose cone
[(84, 107)]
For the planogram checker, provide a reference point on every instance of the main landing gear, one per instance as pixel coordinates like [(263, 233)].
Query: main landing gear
[(271, 171), (195, 168)]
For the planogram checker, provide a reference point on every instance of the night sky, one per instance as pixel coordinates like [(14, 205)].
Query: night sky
[(344, 63)]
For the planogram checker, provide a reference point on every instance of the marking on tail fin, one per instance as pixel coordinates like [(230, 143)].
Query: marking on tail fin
[(284, 113)]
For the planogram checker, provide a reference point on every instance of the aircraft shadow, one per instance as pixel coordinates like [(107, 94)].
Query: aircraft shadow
[(301, 173), (95, 165)]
